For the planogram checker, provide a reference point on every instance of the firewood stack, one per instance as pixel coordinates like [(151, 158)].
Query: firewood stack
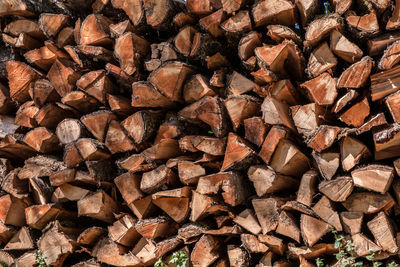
[(240, 132)]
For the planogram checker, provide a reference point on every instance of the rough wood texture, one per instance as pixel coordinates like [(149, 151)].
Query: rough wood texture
[(236, 132)]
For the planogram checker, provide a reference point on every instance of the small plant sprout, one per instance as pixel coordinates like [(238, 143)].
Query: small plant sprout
[(40, 259), (179, 258), (393, 264), (159, 263), (3, 263), (319, 262)]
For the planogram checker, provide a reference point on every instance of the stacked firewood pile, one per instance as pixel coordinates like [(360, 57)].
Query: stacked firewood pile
[(238, 132)]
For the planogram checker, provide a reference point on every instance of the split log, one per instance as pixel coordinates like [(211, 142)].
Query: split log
[(363, 26), (327, 163), (343, 48), (307, 118), (231, 184), (374, 177), (238, 154), (123, 231), (394, 21), (307, 188), (248, 221), (252, 244), (386, 142), (158, 179), (351, 221), (255, 130), (353, 152), (203, 205), (175, 202), (284, 59), (321, 60), (362, 245), (347, 78), (266, 181), (318, 29), (205, 252), (289, 160), (369, 202), (381, 228), (288, 226), (21, 77), (240, 108), (312, 229), (65, 239), (99, 206), (338, 189), (267, 213), (356, 115), (325, 210), (271, 142), (276, 112), (280, 12)]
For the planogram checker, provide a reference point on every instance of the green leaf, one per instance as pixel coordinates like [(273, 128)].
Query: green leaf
[(159, 263), (319, 262), (358, 264), (3, 263), (393, 264), (377, 264), (340, 255)]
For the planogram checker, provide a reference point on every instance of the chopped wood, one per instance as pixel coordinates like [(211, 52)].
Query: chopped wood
[(288, 226), (318, 29), (205, 252), (381, 228), (347, 78), (248, 221), (289, 160), (369, 202), (312, 229), (307, 188), (351, 221), (353, 152), (307, 118), (338, 189), (356, 115), (343, 48), (321, 60), (252, 244), (326, 211), (267, 213), (363, 26), (362, 245), (279, 12), (266, 180), (271, 142), (374, 177), (327, 163)]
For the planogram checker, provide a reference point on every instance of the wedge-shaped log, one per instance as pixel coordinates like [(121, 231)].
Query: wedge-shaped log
[(238, 154), (338, 189), (353, 152), (322, 89), (383, 232), (369, 202), (266, 180), (327, 163), (325, 210), (279, 12), (248, 221), (307, 188), (175, 202), (374, 177), (351, 221), (289, 160), (233, 187), (321, 59), (158, 179), (99, 206)]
